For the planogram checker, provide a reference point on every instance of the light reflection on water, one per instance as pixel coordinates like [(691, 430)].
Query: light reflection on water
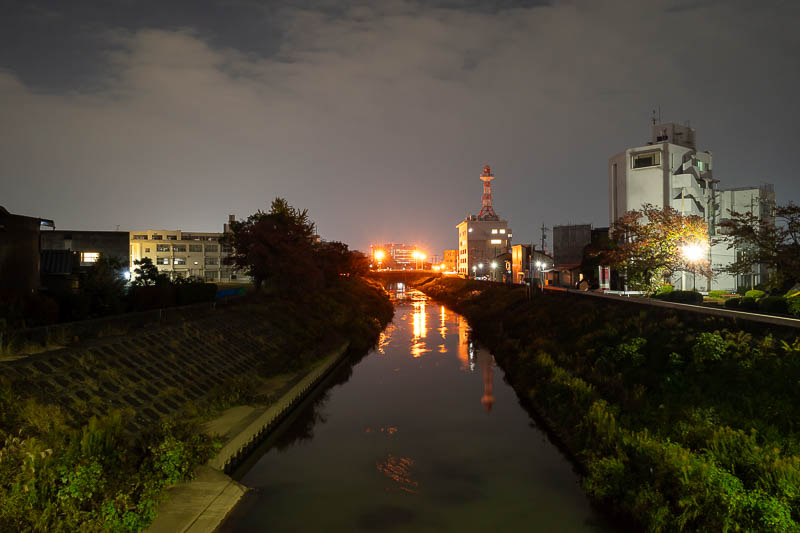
[(414, 441)]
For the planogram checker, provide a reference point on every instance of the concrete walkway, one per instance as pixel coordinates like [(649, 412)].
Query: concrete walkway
[(198, 506)]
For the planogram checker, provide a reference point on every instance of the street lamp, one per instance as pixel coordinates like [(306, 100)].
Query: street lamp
[(474, 269), (494, 270), (379, 255), (692, 253)]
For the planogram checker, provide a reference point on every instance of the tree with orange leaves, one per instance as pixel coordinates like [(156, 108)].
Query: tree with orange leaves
[(653, 243)]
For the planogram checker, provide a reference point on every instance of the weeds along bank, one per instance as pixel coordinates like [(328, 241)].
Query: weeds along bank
[(681, 422), (91, 435)]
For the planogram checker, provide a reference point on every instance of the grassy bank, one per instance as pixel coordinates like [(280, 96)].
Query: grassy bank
[(680, 422), (64, 466)]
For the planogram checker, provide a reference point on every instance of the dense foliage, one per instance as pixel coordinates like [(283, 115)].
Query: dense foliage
[(682, 422), (650, 245), (62, 473), (280, 249), (760, 242)]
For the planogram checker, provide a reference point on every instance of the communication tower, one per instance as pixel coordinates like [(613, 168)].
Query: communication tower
[(487, 211)]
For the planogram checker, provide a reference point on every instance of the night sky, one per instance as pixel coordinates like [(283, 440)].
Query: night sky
[(378, 116)]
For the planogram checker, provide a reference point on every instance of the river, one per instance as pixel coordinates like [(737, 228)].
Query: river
[(423, 434)]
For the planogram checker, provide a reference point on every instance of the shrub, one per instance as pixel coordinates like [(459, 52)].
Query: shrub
[(152, 297), (773, 304), (664, 289), (716, 294), (748, 304), (793, 305), (755, 294), (686, 297), (733, 303)]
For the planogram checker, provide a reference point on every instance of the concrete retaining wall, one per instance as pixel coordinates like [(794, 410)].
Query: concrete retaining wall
[(238, 447)]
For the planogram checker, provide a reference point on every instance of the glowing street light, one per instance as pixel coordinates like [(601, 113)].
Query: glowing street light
[(379, 255), (693, 252)]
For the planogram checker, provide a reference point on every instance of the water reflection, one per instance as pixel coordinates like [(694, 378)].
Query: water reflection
[(419, 320), (403, 444), (398, 469), (463, 342), (486, 362)]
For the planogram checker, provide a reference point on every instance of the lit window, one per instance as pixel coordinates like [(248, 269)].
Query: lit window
[(502, 231), (496, 241), (509, 235), (700, 165), (649, 159), (179, 261), (162, 261), (494, 232), (90, 257), (140, 237)]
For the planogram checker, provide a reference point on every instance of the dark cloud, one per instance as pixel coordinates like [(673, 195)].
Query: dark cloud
[(377, 116)]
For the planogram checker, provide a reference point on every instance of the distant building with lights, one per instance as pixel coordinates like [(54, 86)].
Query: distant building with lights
[(90, 245), (450, 260), (397, 256), (669, 171), (484, 237), (181, 254)]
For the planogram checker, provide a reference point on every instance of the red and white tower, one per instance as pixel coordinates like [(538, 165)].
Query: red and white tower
[(487, 211)]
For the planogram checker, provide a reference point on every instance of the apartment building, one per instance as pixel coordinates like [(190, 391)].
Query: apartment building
[(181, 254)]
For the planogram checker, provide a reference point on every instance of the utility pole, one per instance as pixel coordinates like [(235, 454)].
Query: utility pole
[(544, 238)]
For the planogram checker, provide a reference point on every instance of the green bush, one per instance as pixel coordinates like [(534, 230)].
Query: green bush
[(733, 303), (685, 297), (748, 304), (716, 294), (755, 294), (664, 289), (773, 304), (793, 305)]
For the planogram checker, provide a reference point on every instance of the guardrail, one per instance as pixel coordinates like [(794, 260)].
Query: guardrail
[(713, 311)]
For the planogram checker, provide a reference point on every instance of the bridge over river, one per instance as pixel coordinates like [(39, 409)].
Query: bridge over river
[(423, 434)]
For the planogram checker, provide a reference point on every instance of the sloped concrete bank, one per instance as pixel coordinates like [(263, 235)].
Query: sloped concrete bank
[(200, 505), (150, 389)]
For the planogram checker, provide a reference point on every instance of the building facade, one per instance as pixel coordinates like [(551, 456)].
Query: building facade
[(90, 245), (20, 248), (669, 171), (450, 260), (181, 254)]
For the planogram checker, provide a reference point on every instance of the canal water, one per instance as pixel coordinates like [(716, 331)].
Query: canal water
[(423, 434)]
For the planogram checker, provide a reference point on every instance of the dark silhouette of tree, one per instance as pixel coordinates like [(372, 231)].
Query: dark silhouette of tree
[(650, 243), (280, 250), (104, 286), (275, 248), (147, 274), (759, 241)]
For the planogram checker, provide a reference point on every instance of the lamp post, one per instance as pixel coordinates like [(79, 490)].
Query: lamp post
[(494, 270), (474, 271), (692, 253), (379, 255)]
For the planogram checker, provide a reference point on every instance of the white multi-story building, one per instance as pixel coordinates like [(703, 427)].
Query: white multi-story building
[(183, 254), (669, 171)]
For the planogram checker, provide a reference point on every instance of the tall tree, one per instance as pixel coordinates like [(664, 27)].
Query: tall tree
[(652, 244), (757, 241), (275, 247)]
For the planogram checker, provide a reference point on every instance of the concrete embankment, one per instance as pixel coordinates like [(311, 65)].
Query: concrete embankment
[(200, 505)]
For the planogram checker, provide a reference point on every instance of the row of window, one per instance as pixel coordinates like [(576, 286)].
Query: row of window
[(182, 261), (192, 248), (158, 237)]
